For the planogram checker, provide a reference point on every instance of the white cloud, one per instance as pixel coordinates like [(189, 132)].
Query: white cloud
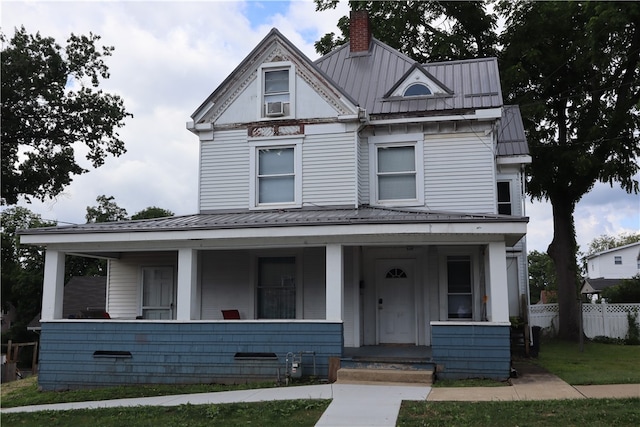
[(604, 210), (169, 56)]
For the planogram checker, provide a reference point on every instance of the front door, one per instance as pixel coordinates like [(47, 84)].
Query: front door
[(158, 293), (396, 301)]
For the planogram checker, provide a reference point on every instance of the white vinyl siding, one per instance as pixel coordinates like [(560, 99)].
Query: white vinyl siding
[(123, 289), (226, 284), (604, 265), (351, 296), (459, 173), (314, 295), (224, 171), (328, 170)]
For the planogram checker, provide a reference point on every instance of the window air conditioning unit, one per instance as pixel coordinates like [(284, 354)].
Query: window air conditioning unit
[(275, 109)]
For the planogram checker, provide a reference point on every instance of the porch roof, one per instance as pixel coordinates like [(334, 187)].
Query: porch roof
[(278, 218)]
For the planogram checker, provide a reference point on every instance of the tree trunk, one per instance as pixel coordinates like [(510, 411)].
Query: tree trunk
[(563, 252)]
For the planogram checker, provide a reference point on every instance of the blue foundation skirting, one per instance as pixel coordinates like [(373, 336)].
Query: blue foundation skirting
[(471, 350), (97, 353)]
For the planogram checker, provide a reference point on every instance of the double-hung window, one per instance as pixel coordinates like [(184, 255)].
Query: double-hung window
[(277, 288), (276, 175), (504, 198), (397, 174), (276, 170), (276, 87), (459, 287)]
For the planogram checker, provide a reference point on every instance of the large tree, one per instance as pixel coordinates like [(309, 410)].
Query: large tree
[(22, 268), (51, 105), (574, 70), (107, 210), (423, 30), (542, 275), (606, 242)]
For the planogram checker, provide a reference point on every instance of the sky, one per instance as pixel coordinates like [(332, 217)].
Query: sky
[(169, 56)]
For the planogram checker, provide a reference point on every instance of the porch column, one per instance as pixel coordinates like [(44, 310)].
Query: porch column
[(187, 284), (334, 283), (498, 289), (53, 285)]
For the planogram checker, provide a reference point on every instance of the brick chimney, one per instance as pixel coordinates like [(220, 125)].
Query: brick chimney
[(359, 31)]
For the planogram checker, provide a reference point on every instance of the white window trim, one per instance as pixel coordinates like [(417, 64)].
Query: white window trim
[(297, 254), (280, 142), (417, 77), (275, 66), (511, 196), (402, 140), (444, 285), (143, 268)]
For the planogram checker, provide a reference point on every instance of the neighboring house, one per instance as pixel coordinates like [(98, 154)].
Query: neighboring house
[(358, 201), (7, 316), (84, 297), (608, 268)]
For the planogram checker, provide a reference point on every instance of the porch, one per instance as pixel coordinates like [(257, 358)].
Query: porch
[(317, 288)]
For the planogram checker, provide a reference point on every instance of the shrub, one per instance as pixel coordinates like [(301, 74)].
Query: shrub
[(628, 291), (633, 336)]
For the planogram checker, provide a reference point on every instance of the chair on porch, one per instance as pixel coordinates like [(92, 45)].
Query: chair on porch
[(230, 314)]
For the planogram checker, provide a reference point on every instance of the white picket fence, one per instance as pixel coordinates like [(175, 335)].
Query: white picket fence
[(609, 320)]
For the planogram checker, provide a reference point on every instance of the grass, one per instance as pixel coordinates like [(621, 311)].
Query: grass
[(599, 363), (588, 412), (29, 394), (287, 413)]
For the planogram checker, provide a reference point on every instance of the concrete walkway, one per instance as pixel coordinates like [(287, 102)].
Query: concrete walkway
[(372, 404)]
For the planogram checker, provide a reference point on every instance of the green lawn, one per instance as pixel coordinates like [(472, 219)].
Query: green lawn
[(598, 364), (29, 394), (587, 412), (288, 413)]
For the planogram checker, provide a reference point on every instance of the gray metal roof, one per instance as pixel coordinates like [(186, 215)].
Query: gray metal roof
[(511, 137), (282, 218), (598, 285), (475, 83)]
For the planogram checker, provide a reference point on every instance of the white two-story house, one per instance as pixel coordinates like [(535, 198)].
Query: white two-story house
[(358, 202), (608, 268)]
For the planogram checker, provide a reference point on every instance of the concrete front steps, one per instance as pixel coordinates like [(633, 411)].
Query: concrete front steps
[(376, 371)]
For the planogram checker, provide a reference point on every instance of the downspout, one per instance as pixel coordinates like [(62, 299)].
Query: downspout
[(362, 117)]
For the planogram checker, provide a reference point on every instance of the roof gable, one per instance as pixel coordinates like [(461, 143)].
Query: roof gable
[(418, 75), (616, 249), (274, 48)]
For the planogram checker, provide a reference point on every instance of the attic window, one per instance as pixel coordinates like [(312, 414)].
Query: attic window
[(276, 90), (417, 89)]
